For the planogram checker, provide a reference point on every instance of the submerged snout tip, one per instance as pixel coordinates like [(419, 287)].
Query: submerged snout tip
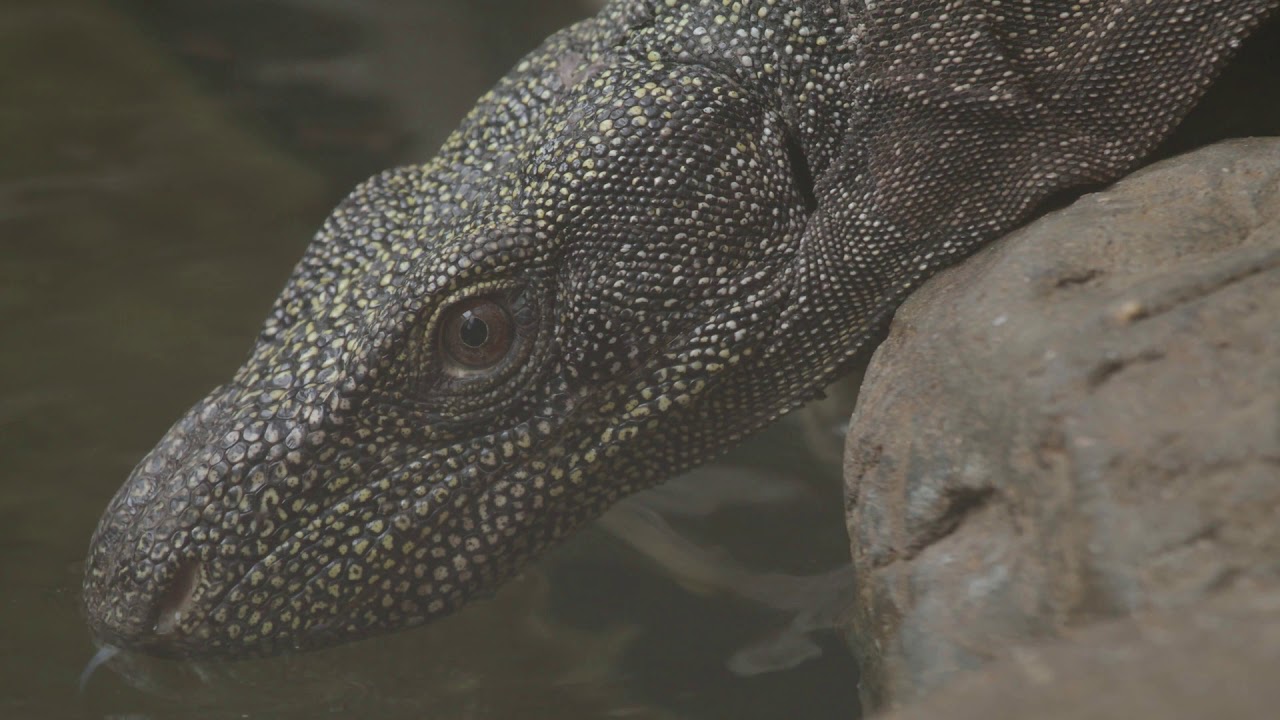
[(131, 604)]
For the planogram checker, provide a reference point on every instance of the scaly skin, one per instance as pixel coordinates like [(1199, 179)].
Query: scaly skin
[(689, 216)]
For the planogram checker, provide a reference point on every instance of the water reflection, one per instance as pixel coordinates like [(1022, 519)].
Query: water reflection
[(806, 603), (503, 661), (165, 163)]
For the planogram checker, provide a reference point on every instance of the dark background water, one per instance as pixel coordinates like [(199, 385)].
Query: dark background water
[(162, 166)]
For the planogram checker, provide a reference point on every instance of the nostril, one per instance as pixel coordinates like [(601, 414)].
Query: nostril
[(176, 599)]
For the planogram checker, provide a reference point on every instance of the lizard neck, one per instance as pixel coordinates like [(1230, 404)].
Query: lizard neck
[(793, 57)]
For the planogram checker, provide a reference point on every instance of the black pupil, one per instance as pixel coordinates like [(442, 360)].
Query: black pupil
[(473, 330)]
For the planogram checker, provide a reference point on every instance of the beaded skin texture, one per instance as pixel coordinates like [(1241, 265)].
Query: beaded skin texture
[(683, 219)]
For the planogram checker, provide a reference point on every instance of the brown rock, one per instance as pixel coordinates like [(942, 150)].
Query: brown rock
[(1080, 423)]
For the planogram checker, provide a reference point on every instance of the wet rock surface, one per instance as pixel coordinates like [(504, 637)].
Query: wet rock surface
[(1074, 430)]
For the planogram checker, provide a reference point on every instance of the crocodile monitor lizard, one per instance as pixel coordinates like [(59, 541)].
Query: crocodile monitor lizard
[(665, 228)]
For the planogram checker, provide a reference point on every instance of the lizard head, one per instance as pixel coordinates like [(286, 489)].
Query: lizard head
[(615, 268), (473, 358)]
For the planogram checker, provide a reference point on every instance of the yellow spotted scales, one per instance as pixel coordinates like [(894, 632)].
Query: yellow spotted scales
[(662, 230)]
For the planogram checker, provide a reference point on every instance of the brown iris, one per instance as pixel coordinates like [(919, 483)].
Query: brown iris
[(477, 333)]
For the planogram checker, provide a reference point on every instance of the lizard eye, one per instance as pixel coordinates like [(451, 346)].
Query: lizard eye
[(477, 333)]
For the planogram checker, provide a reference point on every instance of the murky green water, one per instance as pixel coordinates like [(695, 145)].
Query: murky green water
[(162, 166)]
